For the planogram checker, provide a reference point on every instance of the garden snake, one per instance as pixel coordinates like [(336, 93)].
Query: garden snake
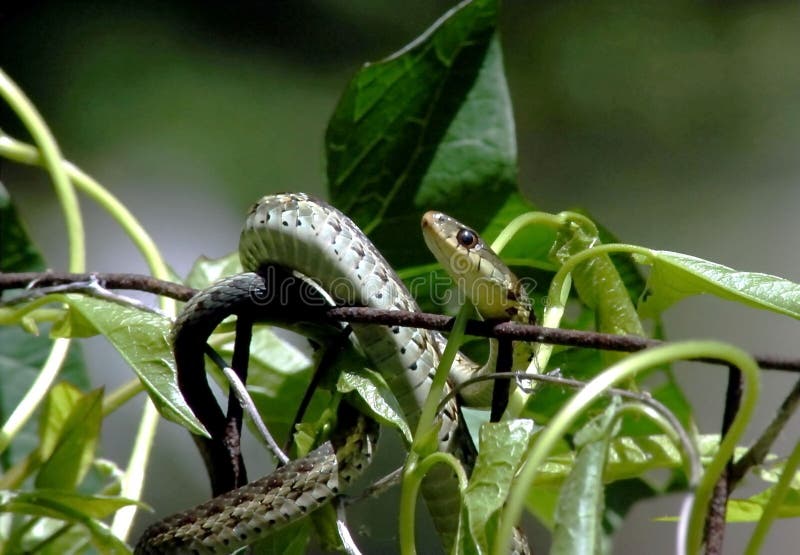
[(298, 233)]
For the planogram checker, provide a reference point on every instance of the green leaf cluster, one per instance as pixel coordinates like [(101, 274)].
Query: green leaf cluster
[(430, 127)]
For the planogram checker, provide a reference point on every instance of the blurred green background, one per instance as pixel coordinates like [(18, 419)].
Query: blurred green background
[(676, 124)]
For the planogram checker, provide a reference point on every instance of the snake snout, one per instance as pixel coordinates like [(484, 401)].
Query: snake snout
[(432, 217)]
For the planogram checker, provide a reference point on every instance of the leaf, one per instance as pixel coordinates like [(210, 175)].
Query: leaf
[(430, 127), (60, 402), (376, 397), (22, 355), (531, 243), (579, 513), (585, 364), (40, 502), (73, 452), (326, 530), (288, 540), (752, 508), (71, 507), (598, 283), (17, 252), (142, 338), (675, 276), (502, 446), (206, 271)]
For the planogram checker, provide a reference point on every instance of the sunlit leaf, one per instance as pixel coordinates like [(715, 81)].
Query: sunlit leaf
[(675, 276), (142, 338), (71, 507), (377, 399), (598, 283)]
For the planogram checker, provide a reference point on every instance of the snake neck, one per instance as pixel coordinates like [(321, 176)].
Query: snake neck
[(314, 239)]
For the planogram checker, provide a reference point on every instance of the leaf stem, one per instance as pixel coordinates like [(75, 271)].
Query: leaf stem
[(522, 221), (417, 462), (26, 407), (51, 160), (23, 153), (124, 393), (771, 509)]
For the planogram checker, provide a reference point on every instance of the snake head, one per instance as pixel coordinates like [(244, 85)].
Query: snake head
[(478, 272)]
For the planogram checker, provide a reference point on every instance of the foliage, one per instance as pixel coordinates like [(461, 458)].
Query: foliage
[(429, 127)]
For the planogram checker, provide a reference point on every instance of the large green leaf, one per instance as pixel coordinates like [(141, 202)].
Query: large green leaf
[(430, 127), (58, 406), (676, 276), (206, 271), (17, 252), (142, 338)]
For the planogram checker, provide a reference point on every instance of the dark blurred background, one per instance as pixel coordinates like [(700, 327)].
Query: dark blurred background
[(676, 124)]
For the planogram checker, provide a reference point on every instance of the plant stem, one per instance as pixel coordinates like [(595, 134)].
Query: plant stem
[(522, 221), (39, 388), (416, 463), (770, 512), (51, 159), (124, 393)]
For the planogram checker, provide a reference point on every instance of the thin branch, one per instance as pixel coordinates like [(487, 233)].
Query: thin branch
[(760, 449), (717, 508), (133, 282), (247, 403), (92, 288), (438, 322)]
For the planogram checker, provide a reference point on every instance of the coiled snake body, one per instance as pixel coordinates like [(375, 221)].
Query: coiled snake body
[(298, 232)]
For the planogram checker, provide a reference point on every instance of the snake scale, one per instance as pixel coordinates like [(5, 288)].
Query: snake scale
[(295, 232)]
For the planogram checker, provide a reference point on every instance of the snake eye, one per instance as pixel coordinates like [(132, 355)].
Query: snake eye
[(467, 238)]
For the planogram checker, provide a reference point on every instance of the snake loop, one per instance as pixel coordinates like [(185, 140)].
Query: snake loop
[(291, 233)]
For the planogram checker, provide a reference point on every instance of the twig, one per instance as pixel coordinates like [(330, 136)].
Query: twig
[(90, 288), (717, 508), (512, 330), (243, 396), (760, 449), (133, 282)]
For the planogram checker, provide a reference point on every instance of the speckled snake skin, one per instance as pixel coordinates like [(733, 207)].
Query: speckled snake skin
[(298, 232)]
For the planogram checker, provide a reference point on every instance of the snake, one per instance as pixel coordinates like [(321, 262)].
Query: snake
[(297, 234)]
